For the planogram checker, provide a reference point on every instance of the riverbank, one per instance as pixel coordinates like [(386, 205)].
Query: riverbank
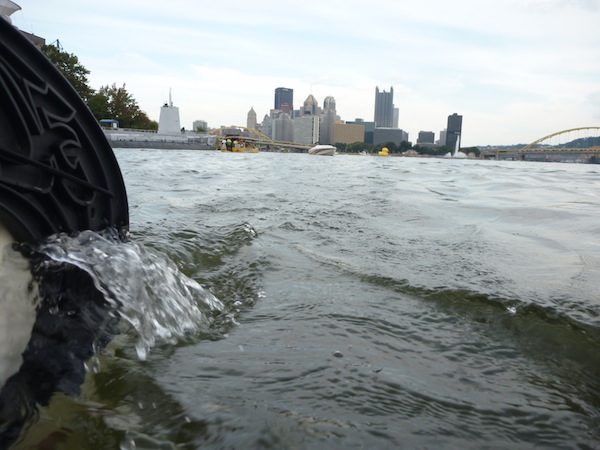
[(127, 138)]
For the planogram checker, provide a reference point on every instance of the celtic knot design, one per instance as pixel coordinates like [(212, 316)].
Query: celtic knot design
[(57, 171)]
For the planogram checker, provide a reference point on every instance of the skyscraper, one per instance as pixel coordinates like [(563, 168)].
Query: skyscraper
[(251, 119), (426, 137), (306, 129), (454, 130), (384, 108), (310, 107), (327, 121), (283, 128), (284, 99)]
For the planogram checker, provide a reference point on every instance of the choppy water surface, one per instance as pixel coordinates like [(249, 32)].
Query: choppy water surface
[(293, 301)]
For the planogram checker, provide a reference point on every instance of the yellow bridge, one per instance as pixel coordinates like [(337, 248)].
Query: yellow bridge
[(261, 139), (552, 143)]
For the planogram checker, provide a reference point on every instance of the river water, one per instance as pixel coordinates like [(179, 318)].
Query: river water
[(288, 301)]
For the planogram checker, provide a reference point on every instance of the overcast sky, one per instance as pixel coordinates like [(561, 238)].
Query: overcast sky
[(516, 70)]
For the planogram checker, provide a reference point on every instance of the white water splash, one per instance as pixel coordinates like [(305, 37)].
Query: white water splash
[(146, 289)]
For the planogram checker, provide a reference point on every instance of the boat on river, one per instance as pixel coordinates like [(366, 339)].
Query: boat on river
[(323, 150), (238, 144)]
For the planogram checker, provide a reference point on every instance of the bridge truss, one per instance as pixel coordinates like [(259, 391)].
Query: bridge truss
[(553, 144), (262, 139), (537, 146)]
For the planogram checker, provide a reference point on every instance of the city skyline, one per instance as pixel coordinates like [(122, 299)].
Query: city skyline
[(385, 116), (517, 70)]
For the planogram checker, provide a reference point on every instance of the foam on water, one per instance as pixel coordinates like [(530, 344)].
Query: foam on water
[(145, 288)]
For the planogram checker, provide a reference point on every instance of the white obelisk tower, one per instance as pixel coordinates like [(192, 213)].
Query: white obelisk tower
[(169, 119)]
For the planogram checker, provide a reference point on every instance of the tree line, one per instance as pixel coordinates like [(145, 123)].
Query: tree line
[(108, 102)]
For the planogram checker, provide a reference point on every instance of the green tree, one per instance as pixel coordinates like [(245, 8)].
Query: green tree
[(69, 65), (141, 121), (357, 147), (404, 146), (98, 104), (433, 150), (106, 103), (121, 105)]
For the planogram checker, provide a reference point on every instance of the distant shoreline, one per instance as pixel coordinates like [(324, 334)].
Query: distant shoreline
[(161, 145), (129, 138)]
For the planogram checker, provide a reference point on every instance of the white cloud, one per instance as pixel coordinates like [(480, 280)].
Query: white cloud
[(516, 70)]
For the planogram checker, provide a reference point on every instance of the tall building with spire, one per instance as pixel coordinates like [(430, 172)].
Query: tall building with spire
[(251, 119), (327, 122), (168, 122), (384, 109), (310, 107), (307, 122)]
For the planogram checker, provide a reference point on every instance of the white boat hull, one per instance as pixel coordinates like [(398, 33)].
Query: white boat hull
[(323, 150)]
